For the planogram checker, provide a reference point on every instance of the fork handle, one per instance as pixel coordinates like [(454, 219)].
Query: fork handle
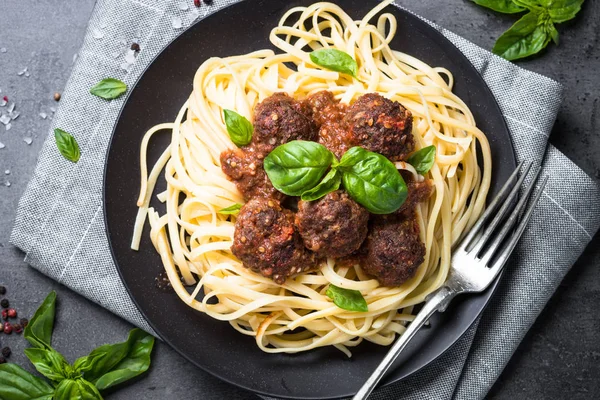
[(436, 301)]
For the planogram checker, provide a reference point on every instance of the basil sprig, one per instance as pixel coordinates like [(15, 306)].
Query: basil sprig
[(238, 127), (103, 368), (297, 166), (231, 210), (347, 299), (67, 145), (296, 169), (423, 159), (109, 88), (335, 60), (534, 30)]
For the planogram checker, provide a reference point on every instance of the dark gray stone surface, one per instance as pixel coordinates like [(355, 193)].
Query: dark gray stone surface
[(559, 358)]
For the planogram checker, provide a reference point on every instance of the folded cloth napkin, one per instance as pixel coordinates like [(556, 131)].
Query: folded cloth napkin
[(60, 221)]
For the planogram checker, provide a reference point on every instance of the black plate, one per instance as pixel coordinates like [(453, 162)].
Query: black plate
[(215, 346)]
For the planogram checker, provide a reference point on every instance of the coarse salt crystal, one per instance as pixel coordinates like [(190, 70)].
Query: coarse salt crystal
[(14, 115), (27, 140), (43, 115), (103, 25), (123, 42), (53, 109), (130, 56), (74, 58), (5, 119), (177, 23), (8, 126), (125, 66), (7, 172), (26, 74), (7, 184), (11, 107), (2, 145), (22, 72), (97, 33), (3, 102), (116, 54), (3, 50), (183, 6)]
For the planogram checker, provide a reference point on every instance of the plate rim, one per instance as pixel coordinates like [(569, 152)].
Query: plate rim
[(386, 381)]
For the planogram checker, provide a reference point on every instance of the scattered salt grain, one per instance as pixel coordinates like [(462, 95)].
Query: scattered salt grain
[(103, 25), (7, 184), (177, 23), (123, 42), (53, 109), (2, 145), (130, 56), (11, 107), (43, 115), (3, 50), (28, 140), (8, 126), (26, 74), (14, 115), (3, 102), (7, 172), (22, 72), (97, 33), (74, 58), (5, 119), (125, 66), (116, 54), (183, 6)]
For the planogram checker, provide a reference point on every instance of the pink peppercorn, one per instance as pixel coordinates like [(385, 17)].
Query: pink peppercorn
[(12, 313), (8, 328)]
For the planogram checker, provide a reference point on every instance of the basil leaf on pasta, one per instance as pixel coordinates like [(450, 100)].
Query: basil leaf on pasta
[(423, 159), (233, 210), (109, 88), (347, 299), (329, 184), (335, 60), (238, 127)]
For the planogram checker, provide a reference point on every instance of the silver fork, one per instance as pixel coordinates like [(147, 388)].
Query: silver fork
[(476, 260)]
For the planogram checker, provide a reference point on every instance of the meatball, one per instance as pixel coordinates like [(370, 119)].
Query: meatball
[(334, 136), (323, 106), (245, 168), (417, 193), (380, 125), (279, 119), (393, 249), (266, 241), (332, 226)]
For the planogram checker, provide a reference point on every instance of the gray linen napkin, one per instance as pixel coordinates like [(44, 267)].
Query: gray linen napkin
[(60, 222)]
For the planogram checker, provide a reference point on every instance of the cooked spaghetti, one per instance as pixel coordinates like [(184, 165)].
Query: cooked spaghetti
[(194, 239)]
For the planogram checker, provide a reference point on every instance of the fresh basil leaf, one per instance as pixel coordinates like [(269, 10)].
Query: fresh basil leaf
[(423, 159), (18, 384), (297, 166), (351, 157), (86, 363), (335, 60), (375, 183), (234, 209), (109, 88), (347, 299), (553, 33), (503, 6), (121, 361), (563, 10), (67, 145), (239, 128), (526, 37), (76, 389), (329, 184), (49, 363), (39, 330)]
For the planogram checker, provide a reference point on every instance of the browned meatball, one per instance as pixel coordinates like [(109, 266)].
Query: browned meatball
[(333, 226), (323, 106), (266, 241), (417, 193), (279, 119), (334, 136), (380, 125), (393, 249), (245, 168)]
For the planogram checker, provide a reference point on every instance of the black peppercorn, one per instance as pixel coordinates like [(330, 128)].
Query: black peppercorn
[(135, 47), (2, 290), (6, 352), (18, 328), (4, 303), (24, 322)]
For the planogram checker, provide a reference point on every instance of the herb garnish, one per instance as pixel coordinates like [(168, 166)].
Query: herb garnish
[(67, 145), (109, 88), (347, 299), (535, 29), (335, 60), (422, 159), (103, 368), (233, 209), (239, 128)]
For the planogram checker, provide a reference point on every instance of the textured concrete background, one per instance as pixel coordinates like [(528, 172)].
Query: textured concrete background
[(559, 358)]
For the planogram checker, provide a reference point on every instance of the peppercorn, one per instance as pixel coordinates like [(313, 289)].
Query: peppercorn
[(4, 303), (18, 328), (5, 314), (135, 47), (12, 313), (6, 352), (2, 290), (197, 3), (5, 98), (8, 328), (24, 322), (57, 96), (2, 360)]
